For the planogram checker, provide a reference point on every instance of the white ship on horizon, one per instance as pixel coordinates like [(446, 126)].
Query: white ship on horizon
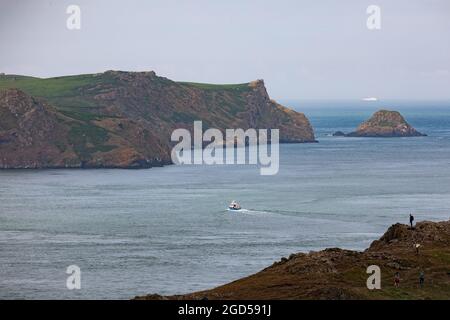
[(370, 99)]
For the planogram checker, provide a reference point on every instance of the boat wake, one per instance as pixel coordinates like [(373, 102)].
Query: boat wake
[(252, 212), (238, 210), (284, 213)]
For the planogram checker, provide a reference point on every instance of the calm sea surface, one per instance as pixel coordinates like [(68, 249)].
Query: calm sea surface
[(165, 230)]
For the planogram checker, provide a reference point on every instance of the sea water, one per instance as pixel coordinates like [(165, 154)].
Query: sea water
[(167, 230)]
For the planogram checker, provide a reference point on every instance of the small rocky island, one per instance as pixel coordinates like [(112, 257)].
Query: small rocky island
[(383, 124)]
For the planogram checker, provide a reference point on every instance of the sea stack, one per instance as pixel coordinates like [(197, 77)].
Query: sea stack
[(385, 124)]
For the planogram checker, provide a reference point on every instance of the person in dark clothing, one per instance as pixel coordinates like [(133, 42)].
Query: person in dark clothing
[(411, 220), (421, 278), (397, 279)]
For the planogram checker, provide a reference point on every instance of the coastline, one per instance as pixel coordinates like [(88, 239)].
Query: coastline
[(144, 165)]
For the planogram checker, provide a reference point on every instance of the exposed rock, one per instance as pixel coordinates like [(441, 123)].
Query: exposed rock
[(125, 119), (385, 124), (32, 134), (36, 135), (339, 134)]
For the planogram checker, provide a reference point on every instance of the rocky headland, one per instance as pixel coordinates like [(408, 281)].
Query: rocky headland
[(122, 119), (342, 274)]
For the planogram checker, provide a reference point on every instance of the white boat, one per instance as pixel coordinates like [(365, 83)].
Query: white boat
[(234, 206), (370, 99)]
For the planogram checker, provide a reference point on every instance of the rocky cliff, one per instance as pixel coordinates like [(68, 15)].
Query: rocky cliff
[(124, 119), (341, 274), (384, 124)]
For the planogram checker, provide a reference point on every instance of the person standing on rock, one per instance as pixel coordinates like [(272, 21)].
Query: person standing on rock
[(411, 220)]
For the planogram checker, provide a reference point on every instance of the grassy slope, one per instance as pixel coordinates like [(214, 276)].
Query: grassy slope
[(48, 88), (64, 94), (67, 86), (214, 97), (207, 86)]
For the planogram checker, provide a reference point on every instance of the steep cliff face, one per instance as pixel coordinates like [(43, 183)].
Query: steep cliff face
[(31, 133), (266, 113), (125, 119), (36, 135), (386, 123)]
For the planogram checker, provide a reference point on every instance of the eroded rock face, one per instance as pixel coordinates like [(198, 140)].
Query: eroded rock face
[(34, 134), (385, 123), (125, 119), (31, 133)]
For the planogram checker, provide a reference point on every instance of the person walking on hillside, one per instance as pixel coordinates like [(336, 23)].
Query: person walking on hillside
[(417, 247), (397, 279), (411, 220), (421, 279)]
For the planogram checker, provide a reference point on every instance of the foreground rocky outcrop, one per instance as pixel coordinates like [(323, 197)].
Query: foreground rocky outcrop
[(341, 274), (383, 124), (124, 119)]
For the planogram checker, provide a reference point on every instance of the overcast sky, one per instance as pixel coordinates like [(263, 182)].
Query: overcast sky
[(302, 49)]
